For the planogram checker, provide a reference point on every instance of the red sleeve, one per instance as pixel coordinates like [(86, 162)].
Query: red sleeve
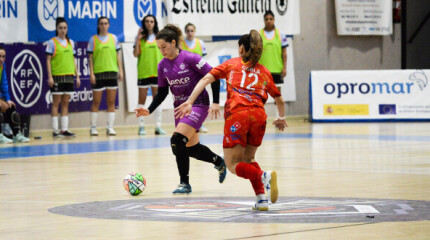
[(220, 71), (271, 87)]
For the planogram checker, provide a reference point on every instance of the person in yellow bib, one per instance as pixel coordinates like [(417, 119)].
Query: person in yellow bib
[(148, 56), (275, 45), (195, 45), (61, 66), (105, 72)]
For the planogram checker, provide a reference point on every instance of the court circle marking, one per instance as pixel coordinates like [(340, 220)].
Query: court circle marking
[(239, 210)]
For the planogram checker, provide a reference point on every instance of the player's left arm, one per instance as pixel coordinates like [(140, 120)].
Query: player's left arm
[(273, 91), (78, 80)]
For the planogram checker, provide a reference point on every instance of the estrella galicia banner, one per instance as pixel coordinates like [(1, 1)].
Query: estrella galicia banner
[(370, 95), (81, 17), (28, 79)]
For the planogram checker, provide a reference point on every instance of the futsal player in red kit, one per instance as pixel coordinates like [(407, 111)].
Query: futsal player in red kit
[(248, 86)]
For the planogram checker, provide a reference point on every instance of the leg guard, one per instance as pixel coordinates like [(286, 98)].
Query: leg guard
[(178, 144)]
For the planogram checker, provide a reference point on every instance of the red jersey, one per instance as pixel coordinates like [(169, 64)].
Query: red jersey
[(246, 87)]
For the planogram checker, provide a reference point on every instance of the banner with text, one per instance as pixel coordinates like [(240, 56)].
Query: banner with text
[(212, 17), (370, 95), (28, 85), (370, 17), (81, 17), (13, 21)]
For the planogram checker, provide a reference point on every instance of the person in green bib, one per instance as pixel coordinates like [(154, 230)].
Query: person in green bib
[(61, 66), (275, 45), (105, 72), (148, 56), (8, 113), (194, 45)]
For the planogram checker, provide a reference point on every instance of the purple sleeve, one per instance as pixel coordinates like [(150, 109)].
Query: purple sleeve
[(199, 64), (161, 78)]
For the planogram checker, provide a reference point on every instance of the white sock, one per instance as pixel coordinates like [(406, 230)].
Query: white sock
[(64, 123), (141, 122), (55, 123), (94, 119), (111, 119), (158, 114), (261, 197)]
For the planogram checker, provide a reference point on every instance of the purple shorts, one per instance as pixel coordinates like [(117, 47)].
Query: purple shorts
[(196, 118)]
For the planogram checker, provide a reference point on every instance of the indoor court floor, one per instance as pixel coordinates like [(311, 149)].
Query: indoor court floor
[(336, 181)]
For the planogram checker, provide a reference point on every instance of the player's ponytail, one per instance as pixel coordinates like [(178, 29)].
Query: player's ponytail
[(169, 33), (253, 45)]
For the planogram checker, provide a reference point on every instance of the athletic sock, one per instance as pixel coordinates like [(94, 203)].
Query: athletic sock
[(55, 123), (111, 119), (203, 153), (248, 171), (257, 185), (94, 119), (158, 114), (64, 123), (141, 118)]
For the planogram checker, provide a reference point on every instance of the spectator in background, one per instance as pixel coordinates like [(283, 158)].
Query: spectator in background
[(148, 56), (8, 113), (195, 45), (61, 65), (106, 70), (274, 55)]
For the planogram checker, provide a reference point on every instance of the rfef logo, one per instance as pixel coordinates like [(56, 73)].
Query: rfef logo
[(141, 8), (49, 11), (26, 78)]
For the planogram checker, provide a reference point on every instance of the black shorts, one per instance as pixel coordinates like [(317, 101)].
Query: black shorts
[(147, 82), (277, 78), (63, 85), (102, 85)]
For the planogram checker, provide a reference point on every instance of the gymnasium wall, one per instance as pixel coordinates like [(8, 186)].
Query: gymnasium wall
[(318, 47)]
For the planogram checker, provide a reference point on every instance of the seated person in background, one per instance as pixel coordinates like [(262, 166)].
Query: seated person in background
[(8, 113)]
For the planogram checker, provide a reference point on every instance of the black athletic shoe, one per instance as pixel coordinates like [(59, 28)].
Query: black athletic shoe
[(67, 133), (57, 134)]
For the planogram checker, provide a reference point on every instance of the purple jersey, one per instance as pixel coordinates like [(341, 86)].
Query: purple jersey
[(182, 74)]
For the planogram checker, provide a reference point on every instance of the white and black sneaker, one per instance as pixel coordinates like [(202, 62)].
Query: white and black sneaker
[(67, 133), (269, 180), (110, 132), (57, 134)]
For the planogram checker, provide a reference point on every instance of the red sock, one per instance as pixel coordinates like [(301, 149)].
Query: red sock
[(248, 171), (257, 184)]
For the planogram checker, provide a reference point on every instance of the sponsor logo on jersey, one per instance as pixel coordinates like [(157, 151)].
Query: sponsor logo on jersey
[(180, 81), (201, 63)]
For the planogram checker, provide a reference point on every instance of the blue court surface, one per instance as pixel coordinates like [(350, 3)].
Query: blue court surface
[(7, 152)]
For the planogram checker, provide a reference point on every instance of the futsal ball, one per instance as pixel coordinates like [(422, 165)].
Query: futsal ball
[(134, 183)]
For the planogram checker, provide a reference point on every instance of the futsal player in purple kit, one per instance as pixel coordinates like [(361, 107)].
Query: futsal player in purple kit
[(181, 71)]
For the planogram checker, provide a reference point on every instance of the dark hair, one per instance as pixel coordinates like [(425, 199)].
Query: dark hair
[(2, 48), (169, 33), (253, 45), (98, 22), (188, 25), (269, 12), (145, 31), (57, 22)]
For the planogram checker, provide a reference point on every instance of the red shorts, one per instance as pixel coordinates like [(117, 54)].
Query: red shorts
[(245, 128)]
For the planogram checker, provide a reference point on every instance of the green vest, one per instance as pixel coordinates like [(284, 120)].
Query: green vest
[(272, 52), (104, 55), (196, 49), (62, 61), (147, 62)]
